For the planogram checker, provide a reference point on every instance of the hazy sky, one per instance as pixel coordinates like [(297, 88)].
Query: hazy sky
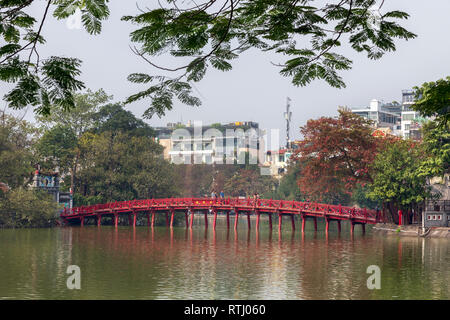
[(253, 90)]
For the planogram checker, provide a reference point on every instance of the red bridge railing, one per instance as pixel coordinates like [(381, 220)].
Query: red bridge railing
[(248, 205)]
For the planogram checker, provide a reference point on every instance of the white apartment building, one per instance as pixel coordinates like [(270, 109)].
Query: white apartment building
[(409, 127), (383, 115), (219, 143)]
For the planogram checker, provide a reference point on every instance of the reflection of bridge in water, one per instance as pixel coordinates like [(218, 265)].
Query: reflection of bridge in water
[(234, 206)]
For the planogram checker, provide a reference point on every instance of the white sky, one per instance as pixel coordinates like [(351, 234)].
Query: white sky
[(253, 90)]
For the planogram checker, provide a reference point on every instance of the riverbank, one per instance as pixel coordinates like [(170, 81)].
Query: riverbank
[(409, 231)]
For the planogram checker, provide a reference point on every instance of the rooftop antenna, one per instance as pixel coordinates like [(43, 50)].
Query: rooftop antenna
[(288, 116)]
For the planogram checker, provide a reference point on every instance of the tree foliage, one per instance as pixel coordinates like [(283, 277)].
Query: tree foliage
[(21, 208), (395, 176), (214, 33), (288, 188), (120, 166), (41, 82), (335, 156), (209, 33), (16, 151), (433, 100), (436, 140)]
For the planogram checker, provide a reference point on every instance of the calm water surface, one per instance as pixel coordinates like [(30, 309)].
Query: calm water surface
[(127, 263)]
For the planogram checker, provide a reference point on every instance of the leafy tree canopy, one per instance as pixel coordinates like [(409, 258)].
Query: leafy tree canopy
[(42, 82), (81, 117), (16, 155), (433, 100), (214, 33), (395, 179), (436, 139), (209, 33), (113, 117), (335, 156)]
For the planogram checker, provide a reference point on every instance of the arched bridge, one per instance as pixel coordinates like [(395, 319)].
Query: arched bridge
[(229, 206)]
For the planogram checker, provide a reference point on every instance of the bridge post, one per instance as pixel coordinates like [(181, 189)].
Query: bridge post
[(153, 218), (270, 221), (303, 222), (352, 229), (82, 221), (248, 220), (236, 219), (172, 213), (293, 222), (192, 218), (186, 218), (327, 226), (99, 220), (315, 223), (339, 226), (129, 219), (257, 220), (134, 219), (116, 219), (206, 219), (363, 228), (148, 219), (228, 219), (215, 218), (280, 221)]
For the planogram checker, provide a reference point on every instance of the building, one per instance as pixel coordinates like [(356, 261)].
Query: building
[(410, 125), (277, 161), (216, 143), (437, 212), (383, 115), (394, 118), (49, 182)]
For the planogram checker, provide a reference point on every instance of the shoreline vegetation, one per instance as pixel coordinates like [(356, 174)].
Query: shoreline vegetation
[(104, 153)]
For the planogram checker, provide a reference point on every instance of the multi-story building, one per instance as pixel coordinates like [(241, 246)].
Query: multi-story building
[(394, 118), (410, 126), (230, 143), (383, 115), (277, 161)]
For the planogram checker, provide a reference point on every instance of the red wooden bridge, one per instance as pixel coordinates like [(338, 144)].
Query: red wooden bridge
[(234, 206)]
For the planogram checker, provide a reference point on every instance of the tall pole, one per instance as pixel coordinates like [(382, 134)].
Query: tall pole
[(288, 116)]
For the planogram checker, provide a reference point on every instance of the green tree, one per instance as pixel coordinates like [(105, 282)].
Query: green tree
[(119, 166), (433, 100), (114, 117), (61, 140), (16, 151), (21, 208), (81, 117), (288, 188), (57, 148), (209, 33), (42, 82), (396, 181), (436, 139), (213, 33)]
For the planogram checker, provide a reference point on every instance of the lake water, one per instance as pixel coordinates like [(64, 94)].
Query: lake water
[(142, 263)]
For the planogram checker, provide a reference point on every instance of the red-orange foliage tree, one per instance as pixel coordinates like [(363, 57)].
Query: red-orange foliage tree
[(335, 156)]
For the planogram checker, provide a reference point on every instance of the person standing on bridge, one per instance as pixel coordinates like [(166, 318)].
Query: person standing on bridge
[(213, 195), (222, 195)]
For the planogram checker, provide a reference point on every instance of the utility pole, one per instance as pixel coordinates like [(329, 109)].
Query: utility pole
[(287, 116)]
